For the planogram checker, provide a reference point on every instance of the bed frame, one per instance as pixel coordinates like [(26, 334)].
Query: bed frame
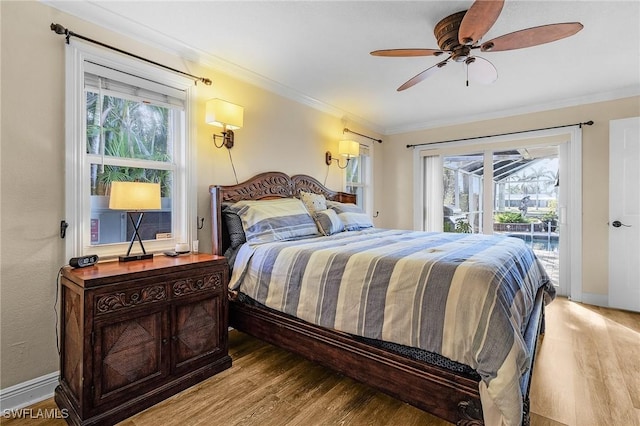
[(443, 393)]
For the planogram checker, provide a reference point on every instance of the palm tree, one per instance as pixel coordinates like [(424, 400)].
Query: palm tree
[(537, 180), (127, 129)]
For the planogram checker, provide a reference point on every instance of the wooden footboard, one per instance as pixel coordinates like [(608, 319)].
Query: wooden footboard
[(435, 390), (430, 388)]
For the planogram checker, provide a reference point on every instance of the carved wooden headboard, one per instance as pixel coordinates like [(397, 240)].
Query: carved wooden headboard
[(263, 186)]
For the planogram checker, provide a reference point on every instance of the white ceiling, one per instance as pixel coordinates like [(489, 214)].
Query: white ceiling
[(317, 52)]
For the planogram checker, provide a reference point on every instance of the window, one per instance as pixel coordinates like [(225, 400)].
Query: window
[(358, 176), (126, 121)]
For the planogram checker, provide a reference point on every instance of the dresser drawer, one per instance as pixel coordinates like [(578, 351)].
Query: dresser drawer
[(186, 286), (124, 297)]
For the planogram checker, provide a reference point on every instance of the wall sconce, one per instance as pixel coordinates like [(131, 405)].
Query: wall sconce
[(346, 148), (226, 115), (135, 197)]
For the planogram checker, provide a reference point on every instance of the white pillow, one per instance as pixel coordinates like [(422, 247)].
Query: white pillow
[(313, 202)]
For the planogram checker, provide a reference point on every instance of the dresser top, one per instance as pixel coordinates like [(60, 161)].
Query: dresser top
[(108, 272)]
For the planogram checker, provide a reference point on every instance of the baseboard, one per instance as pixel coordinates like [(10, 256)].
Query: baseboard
[(29, 392), (596, 299)]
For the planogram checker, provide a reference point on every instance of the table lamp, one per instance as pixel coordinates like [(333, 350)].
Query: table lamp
[(135, 197)]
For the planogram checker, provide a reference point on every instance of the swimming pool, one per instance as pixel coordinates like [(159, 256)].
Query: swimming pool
[(539, 242)]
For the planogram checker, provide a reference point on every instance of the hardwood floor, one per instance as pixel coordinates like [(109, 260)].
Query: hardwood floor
[(590, 371), (587, 373)]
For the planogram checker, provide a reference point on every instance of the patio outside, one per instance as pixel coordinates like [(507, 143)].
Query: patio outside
[(525, 200)]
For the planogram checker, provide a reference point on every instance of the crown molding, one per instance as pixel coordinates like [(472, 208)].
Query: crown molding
[(622, 93), (270, 85), (104, 18)]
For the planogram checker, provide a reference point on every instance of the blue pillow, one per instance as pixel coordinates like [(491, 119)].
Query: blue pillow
[(274, 220), (328, 222), (351, 215)]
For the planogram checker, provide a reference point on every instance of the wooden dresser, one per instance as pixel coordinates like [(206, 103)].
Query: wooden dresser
[(135, 333)]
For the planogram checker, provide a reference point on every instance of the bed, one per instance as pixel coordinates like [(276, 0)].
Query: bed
[(464, 353)]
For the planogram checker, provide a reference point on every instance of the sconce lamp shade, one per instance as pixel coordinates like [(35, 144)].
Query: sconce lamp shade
[(224, 114), (348, 148), (134, 196)]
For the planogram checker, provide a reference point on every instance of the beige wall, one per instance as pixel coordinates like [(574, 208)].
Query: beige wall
[(278, 134), (396, 189)]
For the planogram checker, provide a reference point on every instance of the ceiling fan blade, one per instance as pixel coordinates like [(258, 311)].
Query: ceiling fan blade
[(482, 71), (423, 75), (407, 52), (478, 20), (531, 37)]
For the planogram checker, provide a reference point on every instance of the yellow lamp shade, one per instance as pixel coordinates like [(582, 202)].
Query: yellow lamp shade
[(222, 113), (133, 196), (348, 148)]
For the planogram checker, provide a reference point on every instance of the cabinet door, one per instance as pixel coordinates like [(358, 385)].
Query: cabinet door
[(197, 335), (130, 355)]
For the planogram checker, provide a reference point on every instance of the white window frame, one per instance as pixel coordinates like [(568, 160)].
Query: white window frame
[(366, 178), (77, 191)]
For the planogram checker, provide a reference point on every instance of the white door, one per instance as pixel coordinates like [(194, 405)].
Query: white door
[(624, 214)]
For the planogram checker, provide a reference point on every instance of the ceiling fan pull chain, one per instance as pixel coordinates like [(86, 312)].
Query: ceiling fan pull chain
[(467, 75), (467, 64)]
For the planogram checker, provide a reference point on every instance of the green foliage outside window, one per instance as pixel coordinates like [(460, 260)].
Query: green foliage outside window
[(463, 227), (129, 130), (511, 217)]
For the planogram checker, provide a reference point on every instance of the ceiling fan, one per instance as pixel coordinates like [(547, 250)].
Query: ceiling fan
[(459, 34)]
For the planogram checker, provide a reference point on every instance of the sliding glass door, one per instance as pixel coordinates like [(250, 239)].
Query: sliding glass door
[(502, 189), (462, 191)]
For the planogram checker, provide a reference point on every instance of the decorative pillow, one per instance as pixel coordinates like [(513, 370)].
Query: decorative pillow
[(234, 226), (274, 220), (313, 202), (351, 215), (328, 222)]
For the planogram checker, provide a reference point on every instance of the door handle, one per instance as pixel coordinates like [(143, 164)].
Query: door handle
[(618, 224)]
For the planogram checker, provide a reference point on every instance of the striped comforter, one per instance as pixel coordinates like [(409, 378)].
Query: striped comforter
[(465, 296)]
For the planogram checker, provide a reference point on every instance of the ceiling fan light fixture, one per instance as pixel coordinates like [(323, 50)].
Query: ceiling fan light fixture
[(480, 70)]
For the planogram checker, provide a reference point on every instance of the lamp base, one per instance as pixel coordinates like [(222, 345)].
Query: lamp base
[(135, 257)]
